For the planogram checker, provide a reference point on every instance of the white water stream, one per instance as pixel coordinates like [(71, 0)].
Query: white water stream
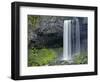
[(67, 47)]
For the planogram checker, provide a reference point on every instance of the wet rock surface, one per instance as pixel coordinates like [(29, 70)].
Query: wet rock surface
[(49, 32)]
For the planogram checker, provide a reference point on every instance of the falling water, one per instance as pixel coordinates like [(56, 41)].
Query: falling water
[(70, 48), (67, 40), (77, 44)]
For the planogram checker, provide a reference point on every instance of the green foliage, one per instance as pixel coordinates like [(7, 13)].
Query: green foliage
[(81, 59), (59, 62), (58, 50), (33, 20), (39, 57)]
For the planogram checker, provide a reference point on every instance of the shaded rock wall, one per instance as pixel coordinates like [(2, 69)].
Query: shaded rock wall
[(49, 32)]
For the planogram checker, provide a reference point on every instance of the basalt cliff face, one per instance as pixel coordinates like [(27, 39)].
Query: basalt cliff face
[(48, 32)]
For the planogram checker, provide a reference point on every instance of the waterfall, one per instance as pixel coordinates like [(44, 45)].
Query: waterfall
[(67, 40), (77, 44), (71, 40)]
